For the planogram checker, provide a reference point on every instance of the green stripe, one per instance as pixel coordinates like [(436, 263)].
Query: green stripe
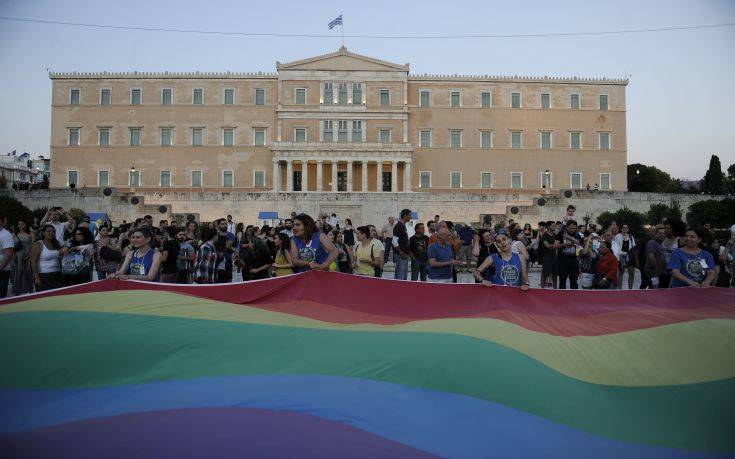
[(74, 349)]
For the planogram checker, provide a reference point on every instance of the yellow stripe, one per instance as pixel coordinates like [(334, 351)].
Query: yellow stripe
[(682, 353)]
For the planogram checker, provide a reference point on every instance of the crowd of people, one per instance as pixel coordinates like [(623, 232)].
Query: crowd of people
[(59, 251)]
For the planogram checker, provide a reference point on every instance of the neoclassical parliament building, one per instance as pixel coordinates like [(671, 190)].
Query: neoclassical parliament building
[(339, 122)]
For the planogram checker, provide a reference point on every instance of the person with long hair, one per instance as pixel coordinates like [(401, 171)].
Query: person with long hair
[(626, 260), (311, 249), (105, 267), (690, 265), (142, 261), (483, 246), (193, 234), (510, 266), (83, 243), (46, 260), (282, 262), (170, 256), (349, 235), (22, 274), (368, 252)]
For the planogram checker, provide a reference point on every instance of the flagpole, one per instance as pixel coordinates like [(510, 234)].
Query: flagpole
[(342, 28)]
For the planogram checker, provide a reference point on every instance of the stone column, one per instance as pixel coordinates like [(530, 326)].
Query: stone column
[(289, 175), (304, 175), (349, 176), (394, 176), (407, 179), (334, 176), (364, 187), (319, 175), (379, 176), (276, 176)]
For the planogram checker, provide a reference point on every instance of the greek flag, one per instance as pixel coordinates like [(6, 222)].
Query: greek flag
[(336, 22)]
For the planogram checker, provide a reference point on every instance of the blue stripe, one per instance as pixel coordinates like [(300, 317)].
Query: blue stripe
[(441, 423)]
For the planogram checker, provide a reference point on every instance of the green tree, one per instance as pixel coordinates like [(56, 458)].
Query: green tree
[(76, 214), (659, 212), (634, 220), (651, 179), (13, 209), (730, 186), (719, 213), (714, 180)]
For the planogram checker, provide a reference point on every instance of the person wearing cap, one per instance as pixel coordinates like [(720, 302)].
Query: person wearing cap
[(510, 267)]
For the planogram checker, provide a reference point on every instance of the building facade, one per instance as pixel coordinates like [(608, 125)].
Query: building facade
[(340, 122)]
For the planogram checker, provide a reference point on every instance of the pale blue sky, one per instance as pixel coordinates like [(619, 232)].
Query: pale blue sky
[(680, 97)]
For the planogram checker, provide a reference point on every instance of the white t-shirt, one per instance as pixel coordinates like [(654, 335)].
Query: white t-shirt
[(6, 242), (60, 227)]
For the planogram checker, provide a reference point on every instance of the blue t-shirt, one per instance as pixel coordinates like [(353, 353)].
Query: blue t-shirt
[(440, 253), (695, 267), (311, 251), (507, 272)]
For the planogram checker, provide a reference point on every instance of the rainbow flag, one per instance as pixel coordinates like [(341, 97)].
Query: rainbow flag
[(331, 365)]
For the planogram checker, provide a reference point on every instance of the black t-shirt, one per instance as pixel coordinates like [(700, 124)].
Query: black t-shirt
[(399, 231), (543, 250), (486, 251), (419, 245), (571, 251), (170, 266)]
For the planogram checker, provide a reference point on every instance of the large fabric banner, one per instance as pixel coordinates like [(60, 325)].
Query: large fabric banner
[(332, 365)]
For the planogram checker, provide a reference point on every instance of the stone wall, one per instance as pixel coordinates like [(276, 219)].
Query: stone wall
[(361, 207)]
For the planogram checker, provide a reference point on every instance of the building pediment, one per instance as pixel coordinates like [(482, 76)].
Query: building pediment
[(343, 60)]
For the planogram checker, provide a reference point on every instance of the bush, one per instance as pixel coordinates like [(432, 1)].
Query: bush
[(634, 220), (659, 212), (13, 209), (720, 213), (76, 214)]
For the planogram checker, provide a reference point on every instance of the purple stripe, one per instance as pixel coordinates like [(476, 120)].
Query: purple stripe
[(203, 432)]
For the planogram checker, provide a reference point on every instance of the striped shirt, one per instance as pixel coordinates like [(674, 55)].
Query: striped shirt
[(205, 267)]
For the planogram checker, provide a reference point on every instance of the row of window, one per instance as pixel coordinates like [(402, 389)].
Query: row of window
[(339, 97), (516, 180), (196, 178), (345, 134)]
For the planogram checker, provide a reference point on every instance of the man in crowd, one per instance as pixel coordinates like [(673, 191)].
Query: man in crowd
[(288, 227), (418, 246), (225, 242), (205, 266), (185, 257), (169, 256), (568, 243), (387, 234), (441, 258), (465, 252), (52, 218), (230, 225), (655, 263), (7, 249), (400, 245)]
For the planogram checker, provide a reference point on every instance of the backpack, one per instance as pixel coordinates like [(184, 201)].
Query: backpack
[(72, 263)]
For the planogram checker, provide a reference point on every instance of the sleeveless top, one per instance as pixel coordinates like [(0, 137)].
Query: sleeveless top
[(310, 251), (507, 272), (140, 266), (281, 260), (48, 261)]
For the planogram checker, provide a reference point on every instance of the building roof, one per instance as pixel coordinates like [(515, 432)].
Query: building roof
[(342, 52)]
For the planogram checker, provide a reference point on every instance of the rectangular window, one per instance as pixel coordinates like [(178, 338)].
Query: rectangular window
[(455, 99), (486, 99), (227, 179), (74, 137), (73, 177), (546, 180), (425, 181), (486, 139), (515, 100), (328, 94), (166, 137), (166, 96), (545, 140), (74, 97), (342, 181), (103, 178), (387, 182), (166, 178), (605, 181), (297, 181), (134, 178), (603, 101), (385, 97), (135, 97), (545, 100), (259, 136), (575, 140), (456, 179), (455, 138), (516, 180), (575, 181), (356, 93), (328, 131), (342, 93), (198, 96), (260, 97), (259, 179), (425, 99), (342, 131), (356, 131), (135, 137), (228, 137), (516, 139), (197, 135), (105, 96), (486, 180), (105, 137), (300, 96), (425, 138), (196, 178), (299, 135), (574, 101), (604, 140), (229, 96), (384, 135)]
